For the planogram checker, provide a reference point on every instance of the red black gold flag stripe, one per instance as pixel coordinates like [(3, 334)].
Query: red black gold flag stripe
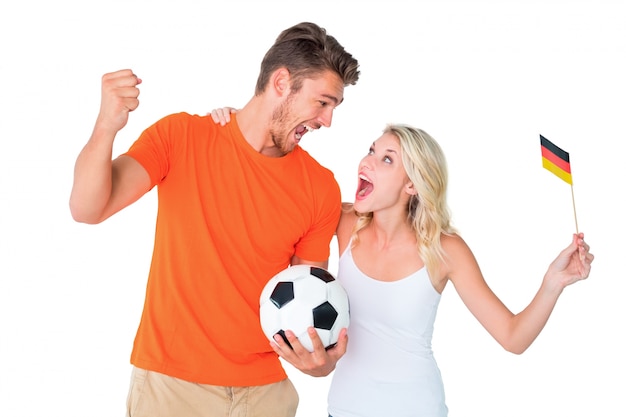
[(555, 160)]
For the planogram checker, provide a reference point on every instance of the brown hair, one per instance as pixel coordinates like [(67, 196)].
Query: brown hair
[(307, 50)]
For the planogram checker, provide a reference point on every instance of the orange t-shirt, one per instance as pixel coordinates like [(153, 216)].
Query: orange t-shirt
[(228, 220)]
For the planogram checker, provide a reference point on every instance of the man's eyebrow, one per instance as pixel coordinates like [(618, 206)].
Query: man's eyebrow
[(333, 99)]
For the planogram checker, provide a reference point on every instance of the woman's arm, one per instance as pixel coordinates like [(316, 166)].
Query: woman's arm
[(515, 332)]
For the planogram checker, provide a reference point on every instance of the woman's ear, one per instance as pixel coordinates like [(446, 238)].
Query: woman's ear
[(409, 188)]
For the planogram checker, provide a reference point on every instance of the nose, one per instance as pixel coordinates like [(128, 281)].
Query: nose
[(326, 117), (365, 164)]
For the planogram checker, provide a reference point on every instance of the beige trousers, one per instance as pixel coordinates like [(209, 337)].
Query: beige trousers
[(153, 394)]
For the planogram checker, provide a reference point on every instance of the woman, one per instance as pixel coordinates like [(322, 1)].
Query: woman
[(396, 244)]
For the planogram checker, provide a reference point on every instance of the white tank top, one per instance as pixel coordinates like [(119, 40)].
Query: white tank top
[(388, 368)]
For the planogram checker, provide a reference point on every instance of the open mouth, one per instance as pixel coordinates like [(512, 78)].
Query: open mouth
[(365, 186), (301, 130)]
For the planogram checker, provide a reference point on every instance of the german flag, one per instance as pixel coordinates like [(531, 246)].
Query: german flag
[(555, 160)]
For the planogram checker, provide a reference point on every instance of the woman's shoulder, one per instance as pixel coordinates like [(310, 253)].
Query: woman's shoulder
[(347, 219), (346, 225), (453, 244), (457, 253)]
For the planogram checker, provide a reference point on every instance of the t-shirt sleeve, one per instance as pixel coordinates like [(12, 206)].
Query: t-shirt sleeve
[(315, 245), (153, 149)]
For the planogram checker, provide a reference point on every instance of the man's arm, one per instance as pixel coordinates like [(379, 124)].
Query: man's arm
[(103, 186), (297, 261)]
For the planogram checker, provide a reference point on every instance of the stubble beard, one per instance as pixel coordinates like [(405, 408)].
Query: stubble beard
[(279, 131)]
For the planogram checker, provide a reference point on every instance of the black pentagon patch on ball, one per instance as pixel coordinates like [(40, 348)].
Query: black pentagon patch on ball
[(322, 274), (324, 316), (282, 294)]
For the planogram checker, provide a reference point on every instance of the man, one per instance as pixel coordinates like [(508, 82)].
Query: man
[(236, 205)]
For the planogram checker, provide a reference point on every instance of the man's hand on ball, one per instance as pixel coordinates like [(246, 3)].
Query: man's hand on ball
[(320, 362)]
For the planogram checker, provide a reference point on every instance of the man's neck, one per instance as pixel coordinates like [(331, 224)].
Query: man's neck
[(254, 122)]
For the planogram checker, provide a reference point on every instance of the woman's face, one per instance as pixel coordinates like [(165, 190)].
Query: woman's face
[(383, 182)]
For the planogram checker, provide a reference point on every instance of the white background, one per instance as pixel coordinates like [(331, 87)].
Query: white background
[(484, 78)]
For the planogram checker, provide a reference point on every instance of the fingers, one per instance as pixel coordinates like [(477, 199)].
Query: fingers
[(222, 115), (339, 349), (573, 247), (583, 248), (319, 362), (293, 344), (585, 256), (119, 97), (282, 345), (124, 77), (122, 85), (316, 342)]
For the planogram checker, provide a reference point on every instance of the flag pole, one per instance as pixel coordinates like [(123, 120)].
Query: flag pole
[(574, 205), (580, 254)]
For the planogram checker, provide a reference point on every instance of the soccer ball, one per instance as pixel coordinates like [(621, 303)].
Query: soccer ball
[(302, 296)]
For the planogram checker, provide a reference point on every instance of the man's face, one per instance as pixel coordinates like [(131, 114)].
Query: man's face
[(305, 110)]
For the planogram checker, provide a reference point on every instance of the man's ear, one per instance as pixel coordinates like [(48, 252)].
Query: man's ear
[(281, 82)]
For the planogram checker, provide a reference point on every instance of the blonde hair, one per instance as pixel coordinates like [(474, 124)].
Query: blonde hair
[(427, 210)]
